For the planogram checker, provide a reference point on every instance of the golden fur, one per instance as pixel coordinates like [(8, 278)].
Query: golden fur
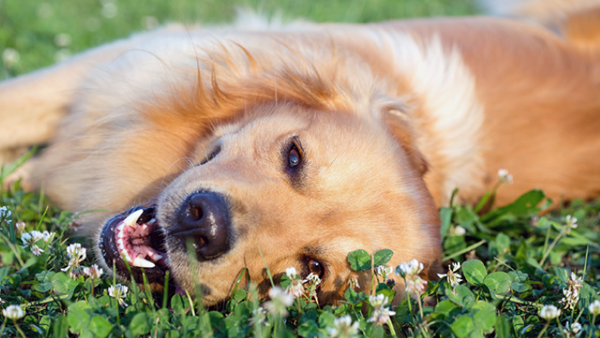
[(392, 117)]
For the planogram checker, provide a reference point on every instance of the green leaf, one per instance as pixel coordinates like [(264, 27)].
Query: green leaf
[(503, 243), (100, 326), (381, 257), (446, 217), (461, 295), (61, 326), (359, 260), (485, 316), (534, 263), (78, 316), (523, 206), (499, 282), (463, 326), (502, 327), (139, 324), (445, 307), (474, 271)]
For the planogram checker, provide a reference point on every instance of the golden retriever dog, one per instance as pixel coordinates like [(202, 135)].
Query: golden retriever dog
[(292, 147)]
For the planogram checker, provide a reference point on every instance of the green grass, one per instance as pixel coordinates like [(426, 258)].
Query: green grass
[(513, 260), (30, 27)]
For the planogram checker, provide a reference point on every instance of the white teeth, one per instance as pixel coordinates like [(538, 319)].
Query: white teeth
[(132, 219), (120, 243), (144, 226), (120, 226), (142, 263), (157, 257), (152, 221)]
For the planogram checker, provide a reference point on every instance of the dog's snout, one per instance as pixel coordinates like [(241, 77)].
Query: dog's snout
[(204, 221)]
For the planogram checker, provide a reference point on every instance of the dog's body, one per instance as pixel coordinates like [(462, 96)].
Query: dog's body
[(314, 140)]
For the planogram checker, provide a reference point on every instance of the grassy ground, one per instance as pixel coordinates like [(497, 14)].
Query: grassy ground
[(513, 262)]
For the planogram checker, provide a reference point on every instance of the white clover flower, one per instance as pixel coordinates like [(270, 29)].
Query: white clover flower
[(415, 283), (313, 279), (570, 299), (378, 300), (452, 277), (118, 292), (295, 288), (549, 312), (93, 271), (353, 283), (504, 176), (312, 282), (47, 236), (575, 282), (279, 302), (595, 308), (76, 254), (457, 231), (381, 316), (30, 238), (10, 57), (570, 223), (574, 330), (13, 312), (384, 271), (343, 328), (411, 268), (20, 226), (291, 273), (4, 212), (258, 317), (36, 250)]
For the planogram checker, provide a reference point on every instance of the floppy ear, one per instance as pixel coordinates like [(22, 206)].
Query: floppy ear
[(397, 121)]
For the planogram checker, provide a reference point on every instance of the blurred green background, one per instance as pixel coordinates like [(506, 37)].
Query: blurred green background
[(34, 34)]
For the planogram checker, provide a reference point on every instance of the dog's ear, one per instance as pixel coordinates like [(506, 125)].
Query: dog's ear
[(397, 120)]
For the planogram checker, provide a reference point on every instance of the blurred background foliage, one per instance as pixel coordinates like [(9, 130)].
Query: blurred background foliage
[(35, 34)]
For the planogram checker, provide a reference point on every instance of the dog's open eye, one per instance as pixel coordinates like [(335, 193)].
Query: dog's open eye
[(295, 154), (315, 268), (294, 157), (212, 155)]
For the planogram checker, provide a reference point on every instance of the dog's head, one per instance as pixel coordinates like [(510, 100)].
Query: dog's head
[(300, 177), (285, 186)]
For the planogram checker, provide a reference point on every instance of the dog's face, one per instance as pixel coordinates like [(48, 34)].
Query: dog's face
[(284, 186)]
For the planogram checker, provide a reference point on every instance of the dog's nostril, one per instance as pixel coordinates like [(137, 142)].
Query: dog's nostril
[(195, 213), (204, 222)]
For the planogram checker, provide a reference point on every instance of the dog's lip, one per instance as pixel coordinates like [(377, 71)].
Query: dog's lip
[(111, 251)]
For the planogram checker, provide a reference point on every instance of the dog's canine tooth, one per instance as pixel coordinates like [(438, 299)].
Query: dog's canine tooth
[(152, 221), (142, 263), (131, 220)]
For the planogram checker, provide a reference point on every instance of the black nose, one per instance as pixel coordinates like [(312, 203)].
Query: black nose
[(204, 222)]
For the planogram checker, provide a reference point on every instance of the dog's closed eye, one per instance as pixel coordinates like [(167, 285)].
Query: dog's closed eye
[(212, 155)]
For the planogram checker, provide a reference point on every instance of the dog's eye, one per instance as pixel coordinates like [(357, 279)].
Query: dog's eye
[(295, 154), (315, 268), (212, 155), (293, 157)]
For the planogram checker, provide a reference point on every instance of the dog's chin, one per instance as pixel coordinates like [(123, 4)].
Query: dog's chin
[(136, 237)]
